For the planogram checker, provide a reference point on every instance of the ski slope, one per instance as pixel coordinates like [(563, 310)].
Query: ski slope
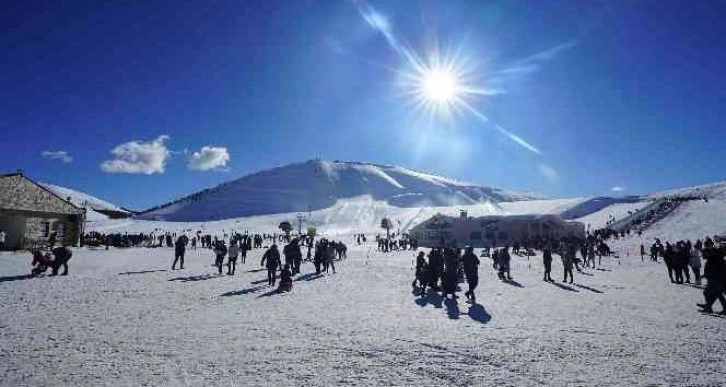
[(346, 216), (317, 184), (123, 318)]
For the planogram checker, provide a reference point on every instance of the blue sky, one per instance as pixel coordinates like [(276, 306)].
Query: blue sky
[(610, 93)]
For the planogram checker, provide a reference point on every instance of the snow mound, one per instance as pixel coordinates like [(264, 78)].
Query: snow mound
[(316, 184)]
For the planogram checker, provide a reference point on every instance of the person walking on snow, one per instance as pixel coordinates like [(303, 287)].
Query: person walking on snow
[(568, 259), (272, 260), (547, 261), (179, 248), (471, 270), (421, 271), (232, 260), (695, 264), (715, 273), (220, 250)]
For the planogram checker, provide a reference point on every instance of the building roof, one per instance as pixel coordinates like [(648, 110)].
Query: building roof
[(13, 197)]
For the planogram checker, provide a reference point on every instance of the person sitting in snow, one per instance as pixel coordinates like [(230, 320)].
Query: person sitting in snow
[(285, 279), (41, 262)]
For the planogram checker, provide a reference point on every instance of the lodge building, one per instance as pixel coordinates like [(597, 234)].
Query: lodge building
[(32, 215)]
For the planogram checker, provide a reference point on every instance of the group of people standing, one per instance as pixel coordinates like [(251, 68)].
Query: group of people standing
[(444, 268)]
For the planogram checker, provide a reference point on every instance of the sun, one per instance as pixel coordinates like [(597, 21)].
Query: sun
[(439, 86)]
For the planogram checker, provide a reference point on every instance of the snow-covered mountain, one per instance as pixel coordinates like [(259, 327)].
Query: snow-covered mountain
[(317, 184), (98, 209)]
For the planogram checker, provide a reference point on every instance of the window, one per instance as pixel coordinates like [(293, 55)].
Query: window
[(475, 235), (489, 235), (60, 229), (503, 235), (44, 228)]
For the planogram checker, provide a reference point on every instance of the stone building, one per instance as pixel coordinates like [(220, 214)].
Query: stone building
[(31, 214), (493, 231)]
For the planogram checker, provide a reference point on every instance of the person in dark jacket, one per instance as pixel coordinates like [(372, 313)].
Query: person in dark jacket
[(471, 270), (61, 257), (547, 261), (668, 258), (435, 269), (272, 258), (451, 265), (285, 279), (715, 273), (421, 273), (179, 248), (220, 251)]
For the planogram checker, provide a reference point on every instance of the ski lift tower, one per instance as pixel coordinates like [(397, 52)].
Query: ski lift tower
[(300, 219)]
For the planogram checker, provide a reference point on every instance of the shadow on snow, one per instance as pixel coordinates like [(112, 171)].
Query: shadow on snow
[(476, 311), (588, 288), (194, 278), (253, 289), (141, 272), (16, 278), (513, 283), (565, 287)]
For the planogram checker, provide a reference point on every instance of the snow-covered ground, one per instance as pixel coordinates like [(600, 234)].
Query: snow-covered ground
[(123, 318)]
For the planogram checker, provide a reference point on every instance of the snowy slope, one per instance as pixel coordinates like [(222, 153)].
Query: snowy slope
[(80, 199), (317, 184), (346, 216)]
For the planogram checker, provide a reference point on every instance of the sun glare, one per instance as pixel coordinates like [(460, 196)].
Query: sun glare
[(439, 86)]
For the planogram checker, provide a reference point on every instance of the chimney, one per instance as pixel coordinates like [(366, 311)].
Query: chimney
[(462, 214)]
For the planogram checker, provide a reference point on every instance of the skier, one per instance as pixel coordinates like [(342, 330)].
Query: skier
[(179, 249), (471, 269), (220, 250), (296, 256), (232, 260), (272, 256), (3, 236), (547, 261), (642, 253), (61, 256)]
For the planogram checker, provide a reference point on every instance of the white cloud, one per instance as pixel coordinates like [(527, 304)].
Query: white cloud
[(548, 172), (58, 155), (139, 157), (209, 157), (617, 188)]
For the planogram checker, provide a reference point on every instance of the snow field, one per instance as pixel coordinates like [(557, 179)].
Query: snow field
[(123, 318)]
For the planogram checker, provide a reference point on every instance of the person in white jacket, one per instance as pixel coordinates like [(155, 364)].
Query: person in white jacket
[(232, 260), (695, 264)]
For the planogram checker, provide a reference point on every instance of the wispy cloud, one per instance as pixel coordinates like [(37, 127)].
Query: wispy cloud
[(617, 188), (208, 158), (139, 157), (63, 156), (534, 63), (548, 172)]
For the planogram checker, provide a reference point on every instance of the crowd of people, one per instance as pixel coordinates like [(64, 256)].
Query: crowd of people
[(683, 257), (326, 252)]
